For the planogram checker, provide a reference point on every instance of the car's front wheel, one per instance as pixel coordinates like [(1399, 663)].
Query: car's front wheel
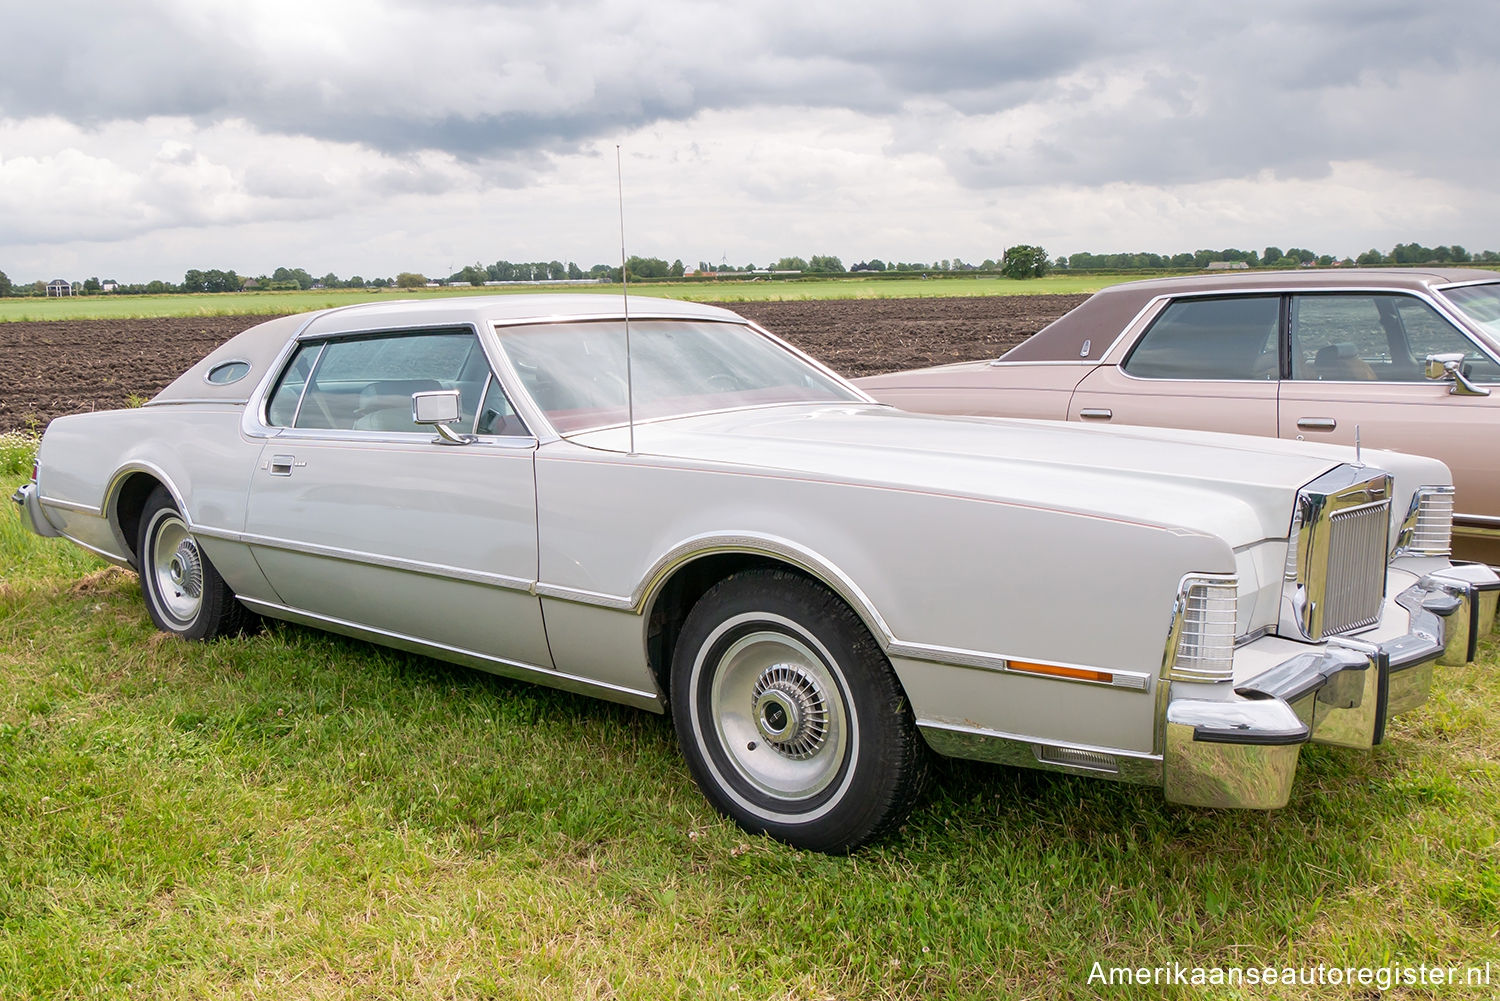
[(790, 716), (184, 593)]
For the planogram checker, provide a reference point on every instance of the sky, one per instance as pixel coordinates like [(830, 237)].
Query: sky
[(140, 140)]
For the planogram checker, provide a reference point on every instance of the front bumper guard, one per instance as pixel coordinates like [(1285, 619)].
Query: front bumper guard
[(1242, 752), (31, 511)]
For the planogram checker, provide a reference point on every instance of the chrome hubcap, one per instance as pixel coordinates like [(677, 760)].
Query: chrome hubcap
[(778, 715), (790, 711), (177, 566)]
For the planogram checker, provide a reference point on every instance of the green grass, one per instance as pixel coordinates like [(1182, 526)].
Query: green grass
[(296, 815), (105, 307)]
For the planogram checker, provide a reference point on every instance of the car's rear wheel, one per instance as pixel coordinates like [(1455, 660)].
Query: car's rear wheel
[(184, 593), (790, 716)]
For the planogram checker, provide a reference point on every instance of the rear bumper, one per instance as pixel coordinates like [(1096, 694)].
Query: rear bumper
[(31, 511), (1242, 751)]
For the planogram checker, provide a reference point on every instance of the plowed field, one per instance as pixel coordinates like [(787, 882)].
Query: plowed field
[(65, 367)]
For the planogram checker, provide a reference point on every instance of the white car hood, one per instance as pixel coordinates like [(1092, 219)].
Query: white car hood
[(1236, 487)]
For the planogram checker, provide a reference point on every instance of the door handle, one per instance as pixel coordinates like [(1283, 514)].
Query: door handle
[(1317, 423), (1096, 413), (281, 465)]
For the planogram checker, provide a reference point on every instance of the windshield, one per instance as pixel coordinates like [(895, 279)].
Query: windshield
[(576, 371), (1480, 303)]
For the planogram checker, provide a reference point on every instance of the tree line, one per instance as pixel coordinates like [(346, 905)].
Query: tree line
[(1019, 261)]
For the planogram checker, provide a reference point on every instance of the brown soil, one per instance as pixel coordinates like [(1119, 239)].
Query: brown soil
[(65, 367)]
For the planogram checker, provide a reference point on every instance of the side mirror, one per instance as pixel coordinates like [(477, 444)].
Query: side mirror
[(1451, 367), (439, 408)]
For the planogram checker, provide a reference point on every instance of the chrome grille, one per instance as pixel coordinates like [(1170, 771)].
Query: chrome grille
[(1337, 550), (1355, 582), (1428, 528)]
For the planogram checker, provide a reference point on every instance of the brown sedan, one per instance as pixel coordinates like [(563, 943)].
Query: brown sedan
[(1405, 359)]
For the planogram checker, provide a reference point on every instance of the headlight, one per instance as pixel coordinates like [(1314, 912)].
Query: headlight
[(1205, 622), (1428, 527)]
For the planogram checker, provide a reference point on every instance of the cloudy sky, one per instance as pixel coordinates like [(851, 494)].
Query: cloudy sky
[(139, 140)]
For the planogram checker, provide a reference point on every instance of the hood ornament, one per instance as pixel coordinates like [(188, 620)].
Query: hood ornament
[(1358, 460)]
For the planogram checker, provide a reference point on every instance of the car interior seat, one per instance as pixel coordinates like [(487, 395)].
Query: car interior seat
[(386, 405), (1340, 362)]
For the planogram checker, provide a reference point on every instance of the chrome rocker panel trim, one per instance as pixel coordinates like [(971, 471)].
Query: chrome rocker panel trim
[(469, 658)]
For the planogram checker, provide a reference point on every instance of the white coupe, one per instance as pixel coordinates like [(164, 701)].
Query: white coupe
[(661, 504)]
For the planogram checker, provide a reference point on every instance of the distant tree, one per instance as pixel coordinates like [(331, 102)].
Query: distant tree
[(647, 267), (790, 264), (5, 285), (1412, 253), (355, 281), (212, 280), (1024, 261), (330, 280), (1271, 255), (1369, 258), (825, 264), (677, 269), (1325, 260), (92, 286), (300, 276), (410, 279), (474, 274), (574, 272)]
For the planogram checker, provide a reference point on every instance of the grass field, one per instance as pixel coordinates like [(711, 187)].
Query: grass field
[(296, 815), (244, 303)]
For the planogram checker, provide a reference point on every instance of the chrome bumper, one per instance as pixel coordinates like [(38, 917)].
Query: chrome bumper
[(31, 511), (1242, 752)]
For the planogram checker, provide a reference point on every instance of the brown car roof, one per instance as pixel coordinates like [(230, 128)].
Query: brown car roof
[(1087, 331)]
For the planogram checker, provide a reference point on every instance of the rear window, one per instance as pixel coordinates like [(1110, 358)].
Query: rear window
[(1230, 338)]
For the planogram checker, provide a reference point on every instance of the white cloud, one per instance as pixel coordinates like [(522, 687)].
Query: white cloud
[(394, 134)]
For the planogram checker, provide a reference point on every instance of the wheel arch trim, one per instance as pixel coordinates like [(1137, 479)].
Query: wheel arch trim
[(648, 590), (109, 507), (643, 599)]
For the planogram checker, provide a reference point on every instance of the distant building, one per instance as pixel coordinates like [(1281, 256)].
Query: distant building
[(1228, 266), (59, 287), (109, 286)]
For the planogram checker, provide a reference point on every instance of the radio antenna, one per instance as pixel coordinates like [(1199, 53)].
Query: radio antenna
[(625, 300)]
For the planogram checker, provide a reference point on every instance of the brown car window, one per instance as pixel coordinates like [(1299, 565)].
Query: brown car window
[(1375, 337), (1228, 338)]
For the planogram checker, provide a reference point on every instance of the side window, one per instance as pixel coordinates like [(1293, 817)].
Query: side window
[(1229, 338), (282, 409), (1429, 334), (365, 383), (496, 415), (1374, 337)]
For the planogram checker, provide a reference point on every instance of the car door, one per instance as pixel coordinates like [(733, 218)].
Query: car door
[(357, 515), (1357, 367), (1209, 363)]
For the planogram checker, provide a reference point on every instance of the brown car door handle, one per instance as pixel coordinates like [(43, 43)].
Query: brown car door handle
[(1317, 423), (1097, 413)]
